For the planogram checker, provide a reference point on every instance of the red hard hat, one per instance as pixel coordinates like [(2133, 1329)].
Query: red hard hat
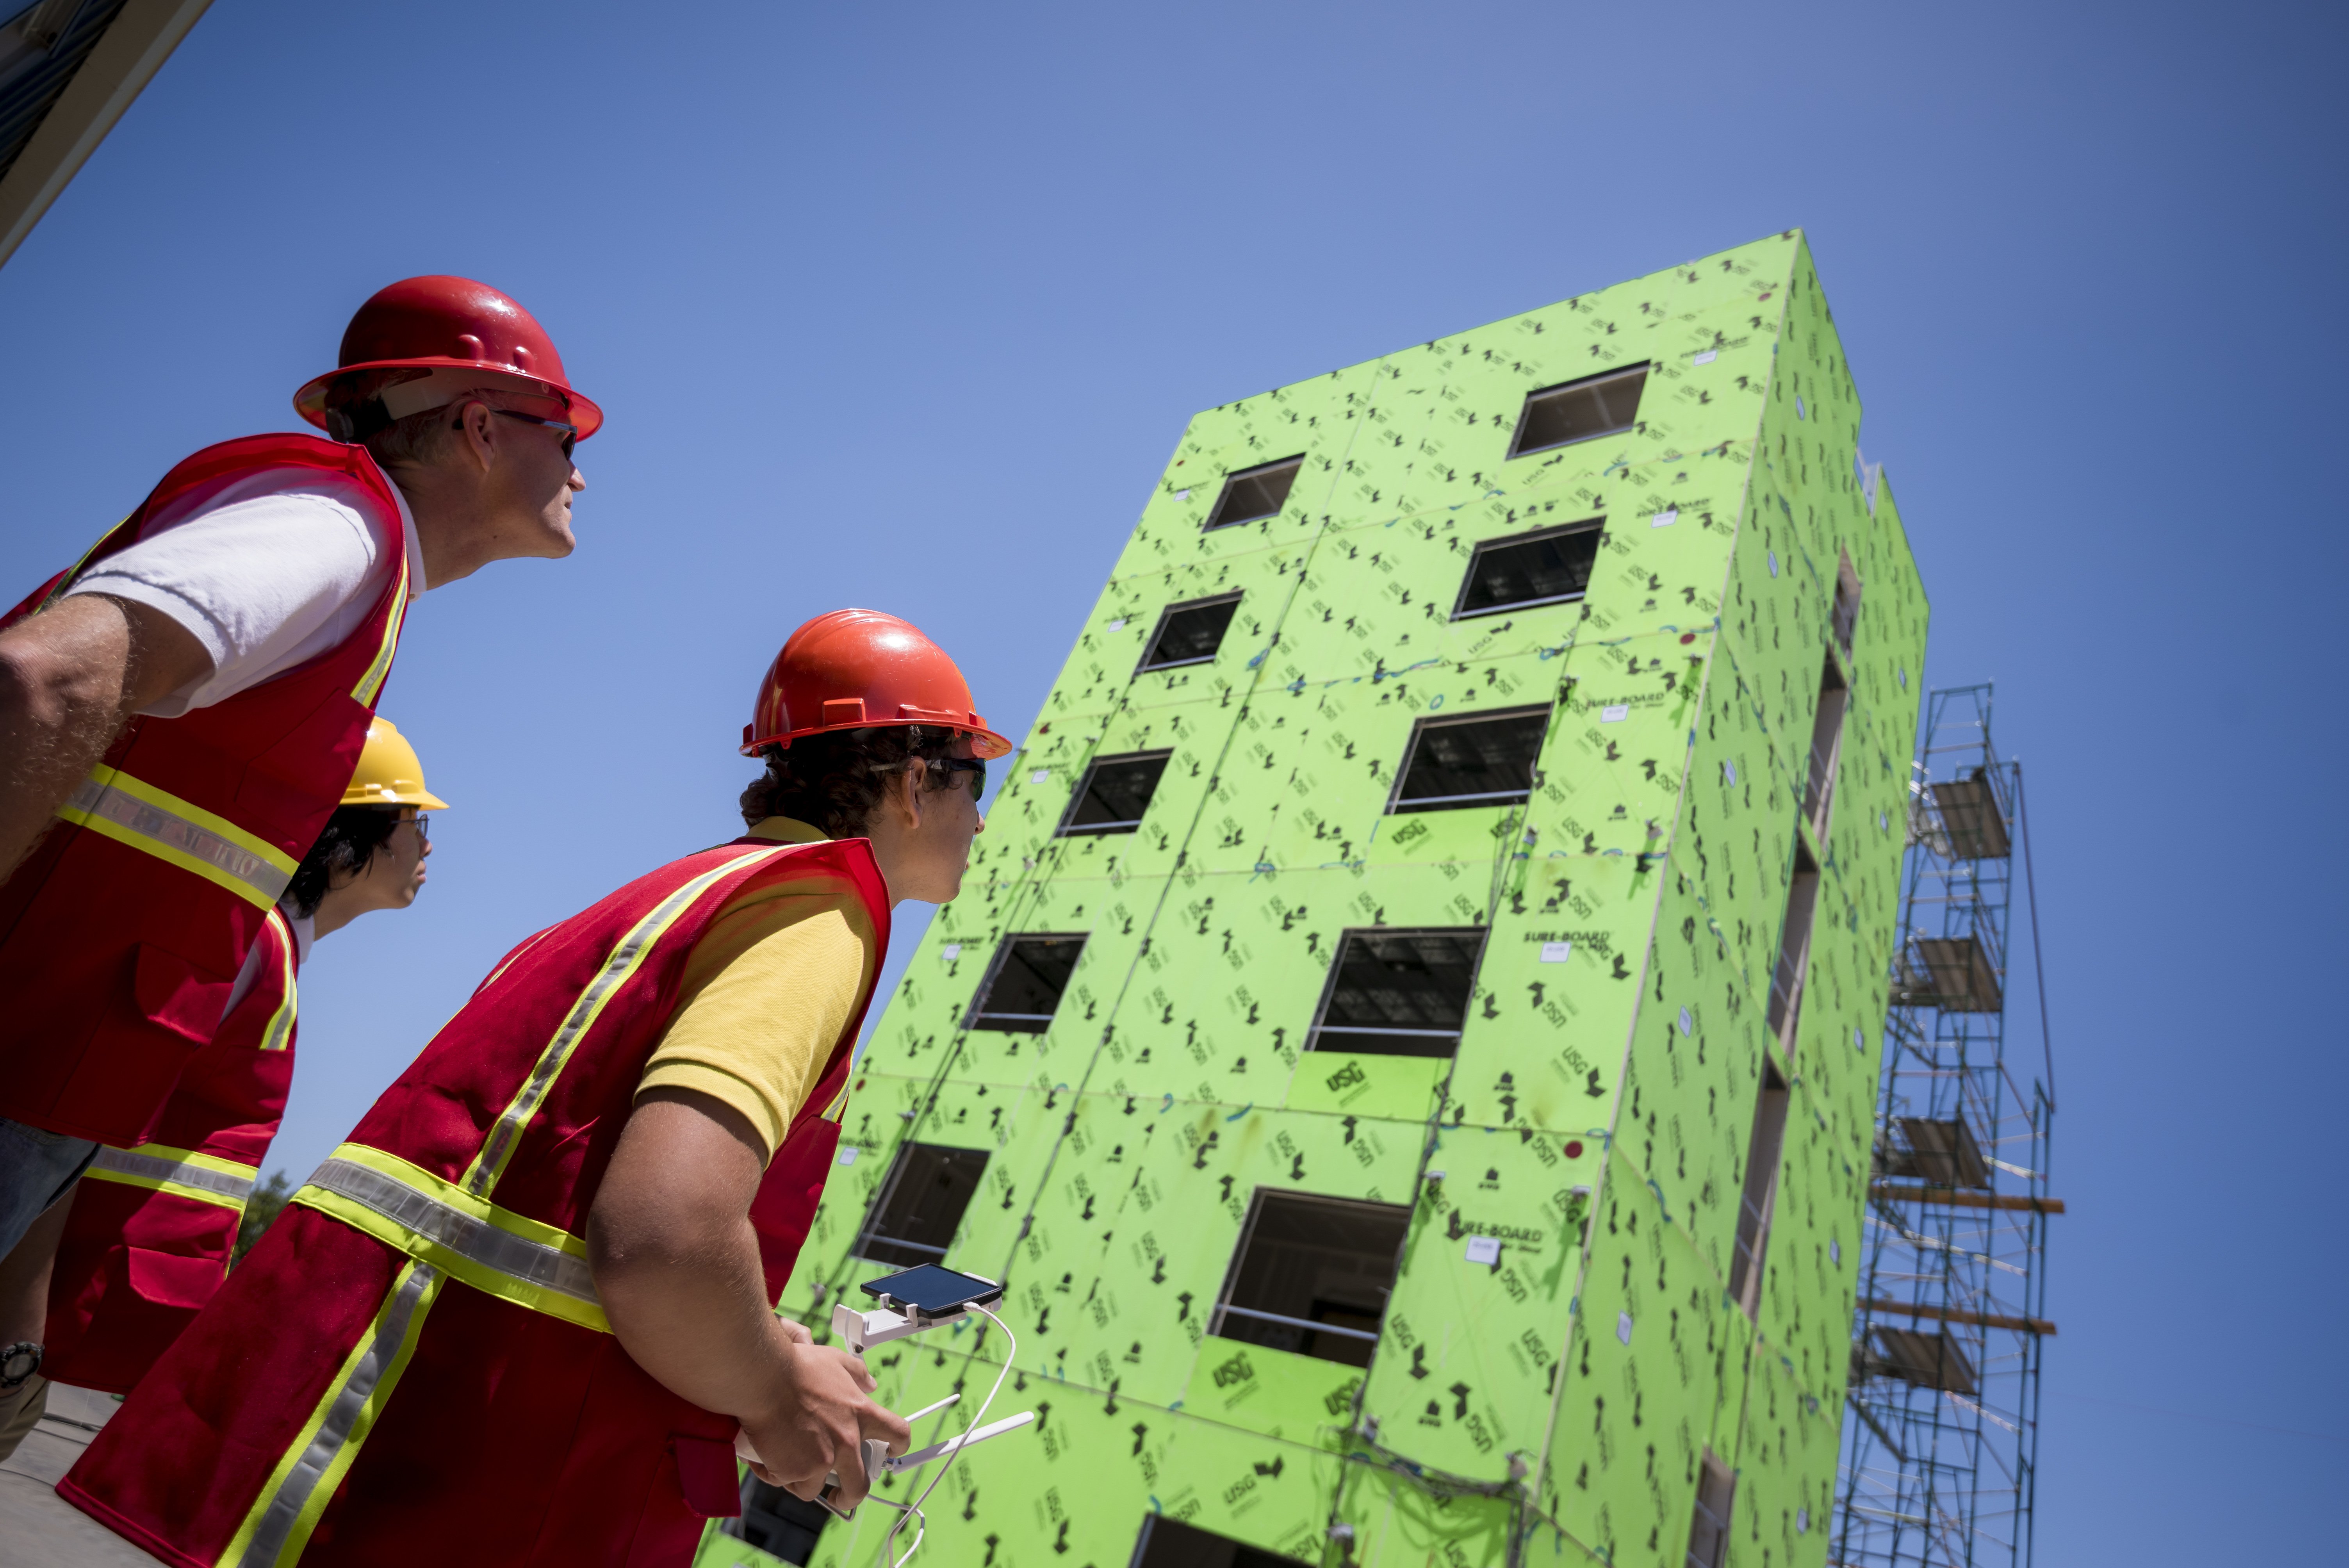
[(860, 669), (448, 324)]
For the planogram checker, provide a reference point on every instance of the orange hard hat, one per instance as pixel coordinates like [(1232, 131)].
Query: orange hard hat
[(860, 669), (436, 325)]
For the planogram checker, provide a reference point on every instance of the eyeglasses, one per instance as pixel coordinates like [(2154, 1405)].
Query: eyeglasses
[(414, 814), (570, 432), (974, 766)]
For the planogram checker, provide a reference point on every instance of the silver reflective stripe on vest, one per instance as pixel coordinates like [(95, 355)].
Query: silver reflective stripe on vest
[(501, 1251), (148, 1167), (618, 967), (294, 1493), (145, 820)]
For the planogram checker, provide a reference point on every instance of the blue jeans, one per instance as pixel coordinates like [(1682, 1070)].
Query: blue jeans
[(36, 1168)]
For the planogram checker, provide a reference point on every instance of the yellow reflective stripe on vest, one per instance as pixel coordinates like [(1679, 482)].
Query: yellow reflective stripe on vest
[(182, 1172), (279, 1032), (626, 956), (371, 683), (276, 1531), (134, 812), (493, 1250)]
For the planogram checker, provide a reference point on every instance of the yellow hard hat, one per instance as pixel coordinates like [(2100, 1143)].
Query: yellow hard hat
[(389, 773)]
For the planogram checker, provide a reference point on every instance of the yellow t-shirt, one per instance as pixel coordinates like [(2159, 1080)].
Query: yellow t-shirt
[(767, 990)]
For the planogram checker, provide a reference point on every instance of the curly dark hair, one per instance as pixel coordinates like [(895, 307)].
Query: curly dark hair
[(832, 780), (346, 844)]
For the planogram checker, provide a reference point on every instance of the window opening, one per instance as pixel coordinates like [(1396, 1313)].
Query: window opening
[(1716, 1495), (776, 1522), (1826, 745), (1933, 1360), (1516, 573), (1254, 494), (1845, 615), (1760, 1198), (1476, 759), (1399, 993), (920, 1204), (1580, 410), (1312, 1275), (1025, 981), (1793, 948), (1113, 794), (1167, 1543), (1190, 633)]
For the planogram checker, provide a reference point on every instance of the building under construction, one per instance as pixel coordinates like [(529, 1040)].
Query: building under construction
[(1411, 1038)]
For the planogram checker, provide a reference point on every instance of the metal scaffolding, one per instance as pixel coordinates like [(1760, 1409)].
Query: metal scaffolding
[(1941, 1442)]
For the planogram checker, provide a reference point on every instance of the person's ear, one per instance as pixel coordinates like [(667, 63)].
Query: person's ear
[(910, 779), (476, 430)]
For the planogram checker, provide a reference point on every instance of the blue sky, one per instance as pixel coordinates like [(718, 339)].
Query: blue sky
[(904, 307)]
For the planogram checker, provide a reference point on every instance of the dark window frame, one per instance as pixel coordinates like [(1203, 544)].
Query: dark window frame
[(1843, 610), (1525, 413), (1187, 1545), (1311, 1327), (1071, 828), (1715, 1510), (1030, 1023), (1460, 612), (1167, 614), (1766, 1149), (1320, 1025), (869, 1234), (1217, 520), (1826, 745), (1790, 975), (1397, 806)]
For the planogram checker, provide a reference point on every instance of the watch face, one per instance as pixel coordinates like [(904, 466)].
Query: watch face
[(18, 1362)]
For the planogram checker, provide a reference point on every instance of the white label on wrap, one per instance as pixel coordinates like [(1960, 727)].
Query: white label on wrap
[(1707, 357), (1614, 712), (1483, 1249), (1665, 518), (1555, 952)]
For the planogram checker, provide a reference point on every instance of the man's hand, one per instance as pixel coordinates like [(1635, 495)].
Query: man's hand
[(821, 1421), (70, 678), (677, 1267)]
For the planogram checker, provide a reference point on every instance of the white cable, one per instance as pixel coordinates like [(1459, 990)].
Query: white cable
[(914, 1508)]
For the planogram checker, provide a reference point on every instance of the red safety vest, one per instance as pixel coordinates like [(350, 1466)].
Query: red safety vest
[(413, 1358), (121, 935), (152, 1228)]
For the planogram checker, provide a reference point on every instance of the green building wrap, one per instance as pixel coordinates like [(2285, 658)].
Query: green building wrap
[(1570, 1353)]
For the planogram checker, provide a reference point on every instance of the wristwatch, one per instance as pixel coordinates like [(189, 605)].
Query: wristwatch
[(18, 1362)]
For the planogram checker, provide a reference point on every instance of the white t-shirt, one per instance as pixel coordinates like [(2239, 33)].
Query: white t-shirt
[(306, 932), (267, 572)]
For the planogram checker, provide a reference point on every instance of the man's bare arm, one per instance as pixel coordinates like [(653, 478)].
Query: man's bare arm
[(677, 1267), (70, 678)]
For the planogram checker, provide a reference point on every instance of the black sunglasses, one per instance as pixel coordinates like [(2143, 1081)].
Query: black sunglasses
[(570, 432), (974, 766)]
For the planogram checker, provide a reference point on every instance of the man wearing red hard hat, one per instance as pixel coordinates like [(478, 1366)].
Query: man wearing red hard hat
[(530, 1304), (180, 709)]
